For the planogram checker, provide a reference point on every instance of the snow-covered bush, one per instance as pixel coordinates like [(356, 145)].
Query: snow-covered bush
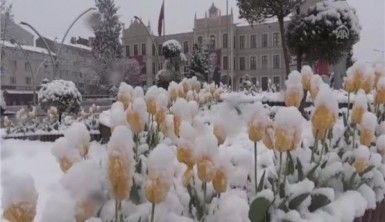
[(61, 94)]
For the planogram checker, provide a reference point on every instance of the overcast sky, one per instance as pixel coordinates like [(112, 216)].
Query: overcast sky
[(52, 17)]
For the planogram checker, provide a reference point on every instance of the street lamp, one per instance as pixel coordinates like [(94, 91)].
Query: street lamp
[(13, 41), (45, 44), (152, 39)]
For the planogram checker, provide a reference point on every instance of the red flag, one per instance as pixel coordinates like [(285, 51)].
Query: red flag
[(161, 20), (322, 67)]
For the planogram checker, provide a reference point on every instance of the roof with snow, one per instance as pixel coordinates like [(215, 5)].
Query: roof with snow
[(24, 47)]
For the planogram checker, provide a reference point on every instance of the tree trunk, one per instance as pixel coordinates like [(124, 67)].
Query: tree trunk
[(284, 45), (299, 60)]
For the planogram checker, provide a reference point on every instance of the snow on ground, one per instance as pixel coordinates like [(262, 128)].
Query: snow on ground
[(34, 158)]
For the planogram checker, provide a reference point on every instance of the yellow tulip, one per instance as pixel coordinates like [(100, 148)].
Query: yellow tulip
[(185, 155), (206, 170), (20, 212), (156, 188), (219, 134), (119, 176), (360, 165), (220, 181)]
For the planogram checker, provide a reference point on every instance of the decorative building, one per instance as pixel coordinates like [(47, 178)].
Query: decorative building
[(253, 51)]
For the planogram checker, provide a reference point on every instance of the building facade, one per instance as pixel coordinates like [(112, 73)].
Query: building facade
[(253, 51)]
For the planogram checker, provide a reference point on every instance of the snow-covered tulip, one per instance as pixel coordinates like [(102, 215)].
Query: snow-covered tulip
[(359, 107), (78, 137), (185, 155), (136, 115), (224, 127), (315, 84), (173, 91), (120, 163), (287, 129), (65, 153), (125, 94), (367, 128), (268, 137), (360, 166), (348, 84), (307, 74), (219, 134), (187, 175), (220, 181), (380, 145), (84, 183), (19, 198), (150, 97), (160, 172), (206, 150), (324, 115), (379, 97), (361, 156), (379, 71), (183, 110), (294, 89), (257, 120)]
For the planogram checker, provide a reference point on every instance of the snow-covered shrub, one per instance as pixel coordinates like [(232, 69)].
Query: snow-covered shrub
[(61, 94), (171, 49)]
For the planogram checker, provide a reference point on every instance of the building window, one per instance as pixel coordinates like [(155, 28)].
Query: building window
[(253, 63), (253, 41), (143, 49), (276, 62), (235, 63), (28, 80), (153, 68), (26, 66), (276, 41), (200, 40), (159, 49), (276, 80), (241, 42), (136, 50), (265, 83), (13, 80), (242, 63), (234, 42), (264, 40), (225, 63), (153, 50), (254, 80), (185, 47), (225, 41), (212, 41), (264, 62)]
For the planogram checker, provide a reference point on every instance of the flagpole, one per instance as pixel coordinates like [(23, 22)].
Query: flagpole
[(164, 18)]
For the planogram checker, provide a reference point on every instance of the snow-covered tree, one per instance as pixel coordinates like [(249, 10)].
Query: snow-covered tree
[(255, 11), (199, 63), (125, 70), (61, 94), (106, 46), (172, 52), (326, 31)]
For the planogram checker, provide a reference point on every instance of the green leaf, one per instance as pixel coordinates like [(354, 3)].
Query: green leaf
[(258, 209), (323, 164), (369, 168), (318, 201), (261, 182), (296, 201), (290, 166), (282, 206), (310, 174), (300, 170)]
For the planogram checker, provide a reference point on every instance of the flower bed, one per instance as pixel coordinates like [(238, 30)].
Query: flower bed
[(182, 155)]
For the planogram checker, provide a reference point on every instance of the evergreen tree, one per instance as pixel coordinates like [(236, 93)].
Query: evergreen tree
[(106, 46), (199, 63), (255, 11), (326, 31)]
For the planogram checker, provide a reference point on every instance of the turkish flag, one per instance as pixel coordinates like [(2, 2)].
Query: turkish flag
[(161, 20)]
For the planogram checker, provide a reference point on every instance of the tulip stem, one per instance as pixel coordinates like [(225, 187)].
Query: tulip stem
[(116, 210), (354, 136), (152, 212), (204, 199), (255, 166), (347, 116), (314, 149), (279, 171)]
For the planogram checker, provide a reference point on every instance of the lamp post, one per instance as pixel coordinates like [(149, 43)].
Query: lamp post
[(69, 28), (45, 44), (152, 39), (13, 41)]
